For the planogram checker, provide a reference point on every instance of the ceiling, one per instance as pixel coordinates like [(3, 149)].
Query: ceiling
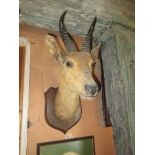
[(46, 13)]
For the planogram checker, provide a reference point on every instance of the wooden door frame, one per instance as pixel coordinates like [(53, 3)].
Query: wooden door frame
[(23, 42)]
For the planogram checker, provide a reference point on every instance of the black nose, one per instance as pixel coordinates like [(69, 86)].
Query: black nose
[(91, 89)]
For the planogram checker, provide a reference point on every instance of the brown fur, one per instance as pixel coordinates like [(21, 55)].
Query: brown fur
[(73, 79)]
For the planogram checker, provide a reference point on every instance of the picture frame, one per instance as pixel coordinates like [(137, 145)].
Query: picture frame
[(78, 146)]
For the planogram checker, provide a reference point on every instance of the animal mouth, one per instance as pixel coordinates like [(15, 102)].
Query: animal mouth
[(85, 97)]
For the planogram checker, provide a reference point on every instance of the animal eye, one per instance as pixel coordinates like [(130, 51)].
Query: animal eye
[(69, 64), (93, 64)]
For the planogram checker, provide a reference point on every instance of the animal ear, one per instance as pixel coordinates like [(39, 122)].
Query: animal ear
[(95, 52), (51, 42)]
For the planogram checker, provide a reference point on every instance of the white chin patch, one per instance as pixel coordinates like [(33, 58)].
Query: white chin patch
[(87, 97)]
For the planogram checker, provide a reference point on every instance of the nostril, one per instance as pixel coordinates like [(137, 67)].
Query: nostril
[(88, 88), (91, 89), (94, 90)]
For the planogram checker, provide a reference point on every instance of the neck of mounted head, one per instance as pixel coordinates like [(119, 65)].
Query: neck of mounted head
[(66, 102)]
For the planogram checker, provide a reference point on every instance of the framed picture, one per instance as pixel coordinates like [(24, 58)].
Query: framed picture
[(74, 146)]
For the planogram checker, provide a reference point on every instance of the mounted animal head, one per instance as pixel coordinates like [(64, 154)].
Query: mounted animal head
[(77, 65)]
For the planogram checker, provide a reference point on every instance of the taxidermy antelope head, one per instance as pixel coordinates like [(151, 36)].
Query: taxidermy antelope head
[(76, 79)]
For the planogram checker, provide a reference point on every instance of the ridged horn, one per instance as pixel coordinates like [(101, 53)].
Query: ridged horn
[(66, 36), (87, 42)]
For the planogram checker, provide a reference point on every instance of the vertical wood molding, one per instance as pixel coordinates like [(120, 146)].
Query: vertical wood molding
[(23, 42)]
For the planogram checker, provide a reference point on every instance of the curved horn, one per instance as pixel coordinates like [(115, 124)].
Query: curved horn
[(87, 42), (66, 36)]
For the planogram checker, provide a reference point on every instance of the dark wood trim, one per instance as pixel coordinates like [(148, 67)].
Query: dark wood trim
[(104, 99)]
